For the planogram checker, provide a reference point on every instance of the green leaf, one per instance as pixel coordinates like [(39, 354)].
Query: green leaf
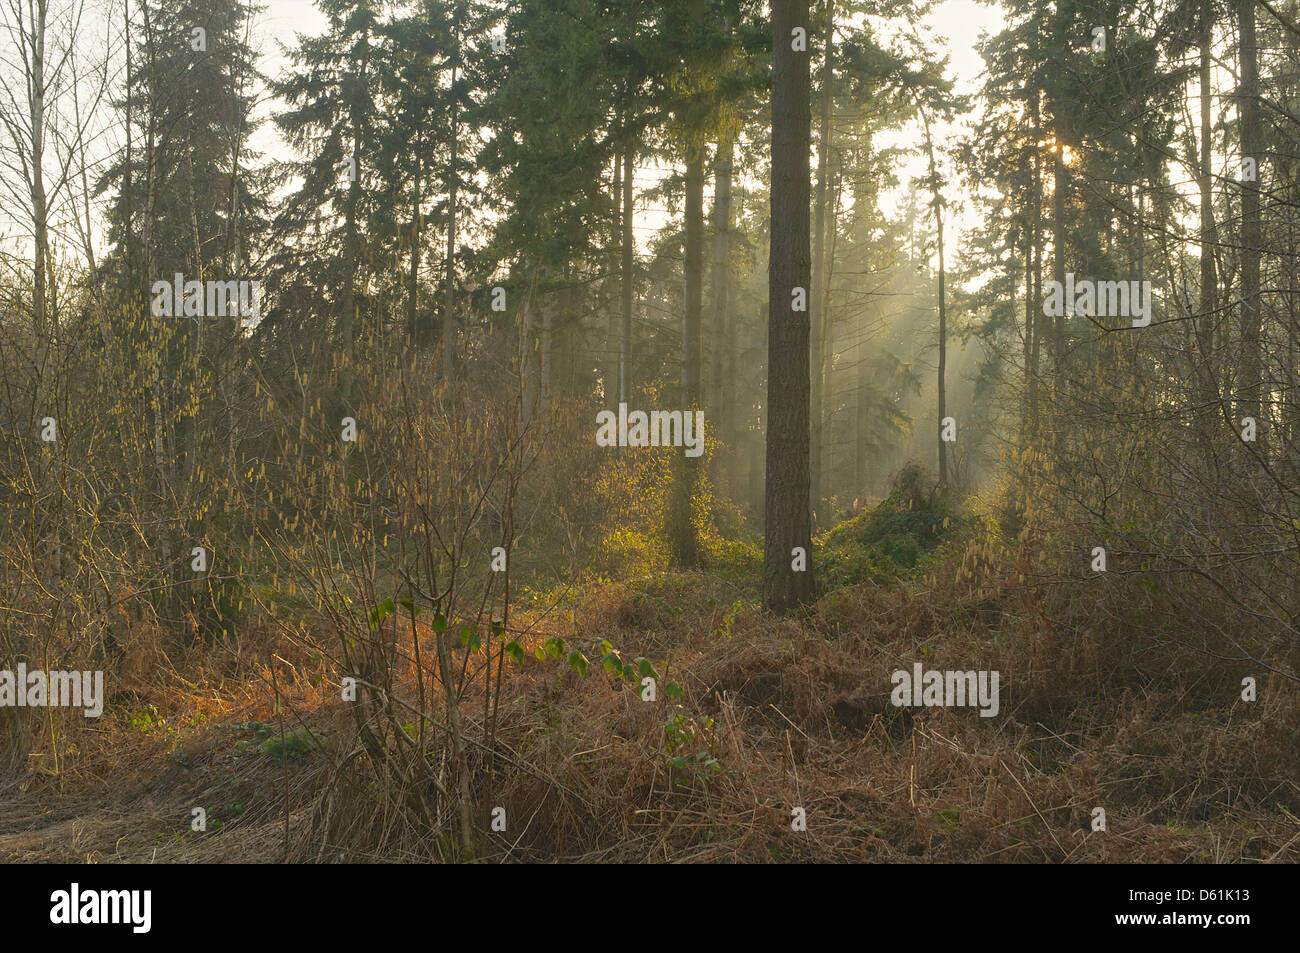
[(440, 623), (515, 651), (379, 613), (673, 690), (410, 607), (644, 668), (612, 664), (578, 662), (498, 626)]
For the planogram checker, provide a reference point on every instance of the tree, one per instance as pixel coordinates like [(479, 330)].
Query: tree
[(788, 520), (411, 145), (566, 101), (1249, 388), (817, 290), (333, 100), (935, 96), (27, 125), (693, 83), (937, 203), (453, 187)]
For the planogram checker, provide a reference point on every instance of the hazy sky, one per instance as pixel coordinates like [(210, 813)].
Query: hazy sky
[(960, 21), (279, 23)]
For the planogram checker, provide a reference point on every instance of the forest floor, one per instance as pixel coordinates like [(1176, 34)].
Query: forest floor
[(774, 716)]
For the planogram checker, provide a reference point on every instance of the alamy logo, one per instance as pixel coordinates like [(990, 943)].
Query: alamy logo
[(1123, 299), (102, 906), (946, 689), (38, 689), (207, 299), (659, 428)]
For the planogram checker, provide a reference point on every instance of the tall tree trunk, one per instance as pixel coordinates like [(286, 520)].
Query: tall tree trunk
[(528, 355), (788, 520), (546, 379), (611, 369), (826, 359), (937, 205), (413, 274), (824, 368), (1249, 388), (129, 263), (1060, 178), (626, 273), (861, 416), (685, 545), (352, 238), (158, 338), (1033, 268), (1030, 355), (723, 387), (692, 342), (561, 338), (943, 353), (1291, 407), (818, 290), (1208, 389), (40, 223), (1060, 187), (449, 309)]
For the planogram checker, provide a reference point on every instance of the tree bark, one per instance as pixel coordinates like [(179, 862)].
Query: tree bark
[(449, 312), (629, 263), (694, 264), (352, 237), (610, 357), (1033, 271), (685, 545), (787, 516), (1249, 388), (1060, 177), (818, 289), (723, 387), (1036, 237), (1208, 389), (937, 204), (40, 223), (413, 275)]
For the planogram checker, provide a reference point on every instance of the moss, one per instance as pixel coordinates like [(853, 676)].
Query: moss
[(895, 538), (295, 744)]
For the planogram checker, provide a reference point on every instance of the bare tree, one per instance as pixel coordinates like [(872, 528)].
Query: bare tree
[(39, 65)]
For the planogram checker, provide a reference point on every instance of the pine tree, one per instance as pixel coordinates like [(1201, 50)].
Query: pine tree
[(788, 523)]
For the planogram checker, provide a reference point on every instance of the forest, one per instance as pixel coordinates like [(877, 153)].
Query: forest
[(597, 431)]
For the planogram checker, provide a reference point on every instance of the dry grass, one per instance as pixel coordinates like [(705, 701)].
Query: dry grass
[(796, 713)]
